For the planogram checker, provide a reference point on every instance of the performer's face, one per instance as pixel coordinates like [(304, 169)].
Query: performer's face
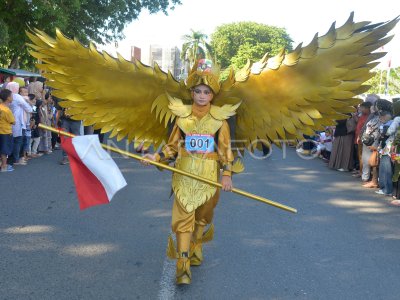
[(202, 94)]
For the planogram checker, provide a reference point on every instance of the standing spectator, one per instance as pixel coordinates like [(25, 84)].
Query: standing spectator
[(36, 88), (365, 111), (6, 121), (67, 124), (18, 107), (35, 120), (52, 120), (26, 139), (7, 79), (385, 164), (101, 135), (370, 138), (87, 130), (45, 135), (395, 128), (342, 150)]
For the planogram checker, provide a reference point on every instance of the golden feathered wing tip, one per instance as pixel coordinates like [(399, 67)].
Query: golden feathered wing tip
[(127, 99), (296, 93)]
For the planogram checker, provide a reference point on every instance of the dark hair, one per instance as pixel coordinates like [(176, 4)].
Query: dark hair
[(22, 87), (31, 96), (383, 104), (384, 113), (4, 94), (47, 96), (366, 104)]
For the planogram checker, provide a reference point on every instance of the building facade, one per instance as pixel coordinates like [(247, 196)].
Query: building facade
[(168, 59)]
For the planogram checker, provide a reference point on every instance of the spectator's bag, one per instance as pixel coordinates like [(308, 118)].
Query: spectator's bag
[(367, 139), (373, 160)]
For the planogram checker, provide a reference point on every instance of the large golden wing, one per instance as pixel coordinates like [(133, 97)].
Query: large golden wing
[(127, 98), (291, 94)]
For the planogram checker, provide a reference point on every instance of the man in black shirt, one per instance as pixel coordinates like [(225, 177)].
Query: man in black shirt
[(67, 124)]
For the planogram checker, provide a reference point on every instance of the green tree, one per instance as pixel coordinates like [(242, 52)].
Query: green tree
[(3, 33), (195, 46), (101, 21), (234, 43), (378, 83)]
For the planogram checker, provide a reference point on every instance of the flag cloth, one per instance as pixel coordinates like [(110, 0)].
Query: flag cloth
[(97, 178)]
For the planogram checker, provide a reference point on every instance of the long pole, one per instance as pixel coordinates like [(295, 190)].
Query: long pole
[(172, 169)]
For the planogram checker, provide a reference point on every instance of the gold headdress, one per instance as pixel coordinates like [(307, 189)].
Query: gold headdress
[(204, 73)]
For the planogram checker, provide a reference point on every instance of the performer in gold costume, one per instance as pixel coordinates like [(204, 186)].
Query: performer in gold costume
[(277, 98), (200, 142)]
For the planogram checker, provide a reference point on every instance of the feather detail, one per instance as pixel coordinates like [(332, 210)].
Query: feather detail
[(296, 93), (224, 112), (178, 108)]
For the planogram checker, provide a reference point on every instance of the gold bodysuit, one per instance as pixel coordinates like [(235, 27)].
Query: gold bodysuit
[(194, 200)]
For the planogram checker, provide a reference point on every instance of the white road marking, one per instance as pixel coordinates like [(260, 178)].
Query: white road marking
[(167, 281)]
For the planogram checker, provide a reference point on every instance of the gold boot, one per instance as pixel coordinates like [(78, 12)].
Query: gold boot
[(196, 253), (183, 274), (196, 245)]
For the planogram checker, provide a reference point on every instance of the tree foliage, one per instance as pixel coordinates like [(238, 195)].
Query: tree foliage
[(379, 82), (101, 21), (195, 46), (234, 43)]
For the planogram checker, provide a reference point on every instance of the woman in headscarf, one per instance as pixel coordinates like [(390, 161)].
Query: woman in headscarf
[(342, 151), (36, 88), (45, 135)]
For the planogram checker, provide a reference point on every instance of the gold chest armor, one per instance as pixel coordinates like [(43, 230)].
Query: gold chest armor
[(190, 192)]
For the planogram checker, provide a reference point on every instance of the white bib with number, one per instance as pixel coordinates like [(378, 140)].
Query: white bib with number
[(200, 143)]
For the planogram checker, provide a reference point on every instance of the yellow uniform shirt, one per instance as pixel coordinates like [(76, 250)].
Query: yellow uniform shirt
[(6, 119)]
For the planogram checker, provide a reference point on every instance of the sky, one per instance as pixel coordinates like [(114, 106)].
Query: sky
[(301, 19)]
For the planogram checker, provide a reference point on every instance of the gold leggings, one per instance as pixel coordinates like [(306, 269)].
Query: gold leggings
[(182, 221)]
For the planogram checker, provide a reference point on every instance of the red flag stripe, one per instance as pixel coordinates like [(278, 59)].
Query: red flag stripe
[(89, 189)]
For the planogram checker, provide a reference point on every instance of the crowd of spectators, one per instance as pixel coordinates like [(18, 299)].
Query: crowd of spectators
[(21, 139), (367, 144), (22, 107)]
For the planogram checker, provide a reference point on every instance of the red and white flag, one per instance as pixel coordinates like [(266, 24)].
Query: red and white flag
[(97, 178)]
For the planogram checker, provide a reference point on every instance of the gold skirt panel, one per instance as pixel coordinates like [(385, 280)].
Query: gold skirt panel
[(192, 193)]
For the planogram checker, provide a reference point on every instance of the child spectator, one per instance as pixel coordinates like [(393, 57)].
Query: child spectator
[(6, 121), (324, 146)]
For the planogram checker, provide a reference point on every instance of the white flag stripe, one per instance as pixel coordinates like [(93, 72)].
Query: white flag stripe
[(100, 163)]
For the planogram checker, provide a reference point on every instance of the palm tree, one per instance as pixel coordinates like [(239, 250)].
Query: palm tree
[(195, 47)]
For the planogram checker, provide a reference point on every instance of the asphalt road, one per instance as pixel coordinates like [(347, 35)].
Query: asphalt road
[(343, 244)]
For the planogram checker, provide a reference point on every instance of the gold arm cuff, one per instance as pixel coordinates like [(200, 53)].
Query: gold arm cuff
[(227, 173)]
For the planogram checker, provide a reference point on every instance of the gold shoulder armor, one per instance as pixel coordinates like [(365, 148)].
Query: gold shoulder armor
[(178, 108), (224, 112)]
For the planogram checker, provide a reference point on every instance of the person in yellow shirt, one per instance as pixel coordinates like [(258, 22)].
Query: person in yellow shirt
[(6, 121)]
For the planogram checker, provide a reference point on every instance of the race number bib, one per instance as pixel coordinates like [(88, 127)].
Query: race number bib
[(202, 143)]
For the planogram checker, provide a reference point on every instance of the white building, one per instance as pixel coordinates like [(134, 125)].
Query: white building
[(168, 59)]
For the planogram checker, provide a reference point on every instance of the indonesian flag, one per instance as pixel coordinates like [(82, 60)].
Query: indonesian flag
[(97, 178)]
